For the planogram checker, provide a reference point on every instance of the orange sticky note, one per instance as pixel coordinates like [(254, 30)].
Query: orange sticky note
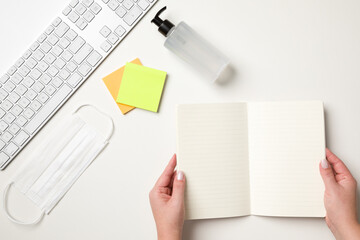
[(113, 81)]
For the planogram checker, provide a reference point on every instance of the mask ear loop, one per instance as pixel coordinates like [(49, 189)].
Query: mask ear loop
[(111, 132), (11, 218)]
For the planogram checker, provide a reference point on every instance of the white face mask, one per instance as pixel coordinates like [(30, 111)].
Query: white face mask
[(57, 163)]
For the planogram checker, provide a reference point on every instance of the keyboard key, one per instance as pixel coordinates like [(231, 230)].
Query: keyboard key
[(19, 62), (71, 66), (77, 44), (133, 15), (106, 46), (3, 158), (38, 86), (45, 47), (83, 53), (24, 102), (35, 74), (94, 58), (3, 126), (50, 90), (50, 58), (43, 66), (31, 63), (24, 71), (66, 11), (80, 8), (29, 113), (27, 54), (67, 55), (12, 70), (89, 16), (45, 79), (34, 46), (43, 97), (3, 94), (17, 78), (113, 5), (128, 4), (59, 63), (21, 138), (49, 30), (14, 97), (56, 22), (28, 82), (71, 35), (105, 1), (95, 8), (11, 149), (57, 82), (9, 118), (120, 12), (14, 129), (143, 4), (53, 71), (53, 39), (113, 38), (64, 43), (74, 80), (61, 29), (16, 110), (7, 137), (49, 108), (57, 51), (81, 23), (88, 2), (21, 121), (9, 86), (73, 3), (39, 55), (31, 94), (84, 69), (105, 31), (6, 105), (2, 113), (35, 105), (4, 78), (21, 89), (2, 145), (64, 74), (73, 16)]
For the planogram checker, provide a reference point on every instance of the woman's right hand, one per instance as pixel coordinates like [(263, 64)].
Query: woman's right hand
[(340, 198)]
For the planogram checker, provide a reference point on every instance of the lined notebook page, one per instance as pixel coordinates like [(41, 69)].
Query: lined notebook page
[(213, 153), (286, 144)]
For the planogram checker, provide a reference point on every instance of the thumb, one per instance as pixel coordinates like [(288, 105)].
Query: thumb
[(179, 187), (327, 174)]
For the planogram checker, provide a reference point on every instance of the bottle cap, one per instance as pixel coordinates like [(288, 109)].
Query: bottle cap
[(164, 25)]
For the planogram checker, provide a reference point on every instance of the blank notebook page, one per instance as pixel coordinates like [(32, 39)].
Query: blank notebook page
[(286, 144), (213, 153)]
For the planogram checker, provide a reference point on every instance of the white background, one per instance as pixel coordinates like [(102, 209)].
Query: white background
[(280, 50)]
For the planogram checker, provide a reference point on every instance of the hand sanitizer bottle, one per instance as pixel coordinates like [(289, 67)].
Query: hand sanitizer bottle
[(191, 47)]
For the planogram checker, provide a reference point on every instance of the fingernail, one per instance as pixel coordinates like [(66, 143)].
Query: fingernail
[(180, 176), (324, 163)]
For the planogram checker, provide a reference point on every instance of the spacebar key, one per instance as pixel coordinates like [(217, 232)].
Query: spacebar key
[(48, 108)]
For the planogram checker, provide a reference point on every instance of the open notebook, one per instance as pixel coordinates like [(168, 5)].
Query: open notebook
[(258, 158)]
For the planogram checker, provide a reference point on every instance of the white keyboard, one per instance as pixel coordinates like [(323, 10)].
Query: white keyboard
[(57, 63)]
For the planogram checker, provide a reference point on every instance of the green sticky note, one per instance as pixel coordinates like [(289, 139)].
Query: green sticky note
[(141, 87)]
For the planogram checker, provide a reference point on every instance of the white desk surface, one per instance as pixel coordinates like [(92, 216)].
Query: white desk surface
[(281, 50)]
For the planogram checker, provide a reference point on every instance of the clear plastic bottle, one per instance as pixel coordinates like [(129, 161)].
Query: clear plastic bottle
[(191, 47)]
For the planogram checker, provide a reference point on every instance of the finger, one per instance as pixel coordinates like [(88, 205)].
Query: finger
[(165, 178), (179, 187), (327, 174), (338, 165)]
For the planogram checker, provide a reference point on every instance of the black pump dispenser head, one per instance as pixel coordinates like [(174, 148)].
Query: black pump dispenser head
[(164, 25)]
